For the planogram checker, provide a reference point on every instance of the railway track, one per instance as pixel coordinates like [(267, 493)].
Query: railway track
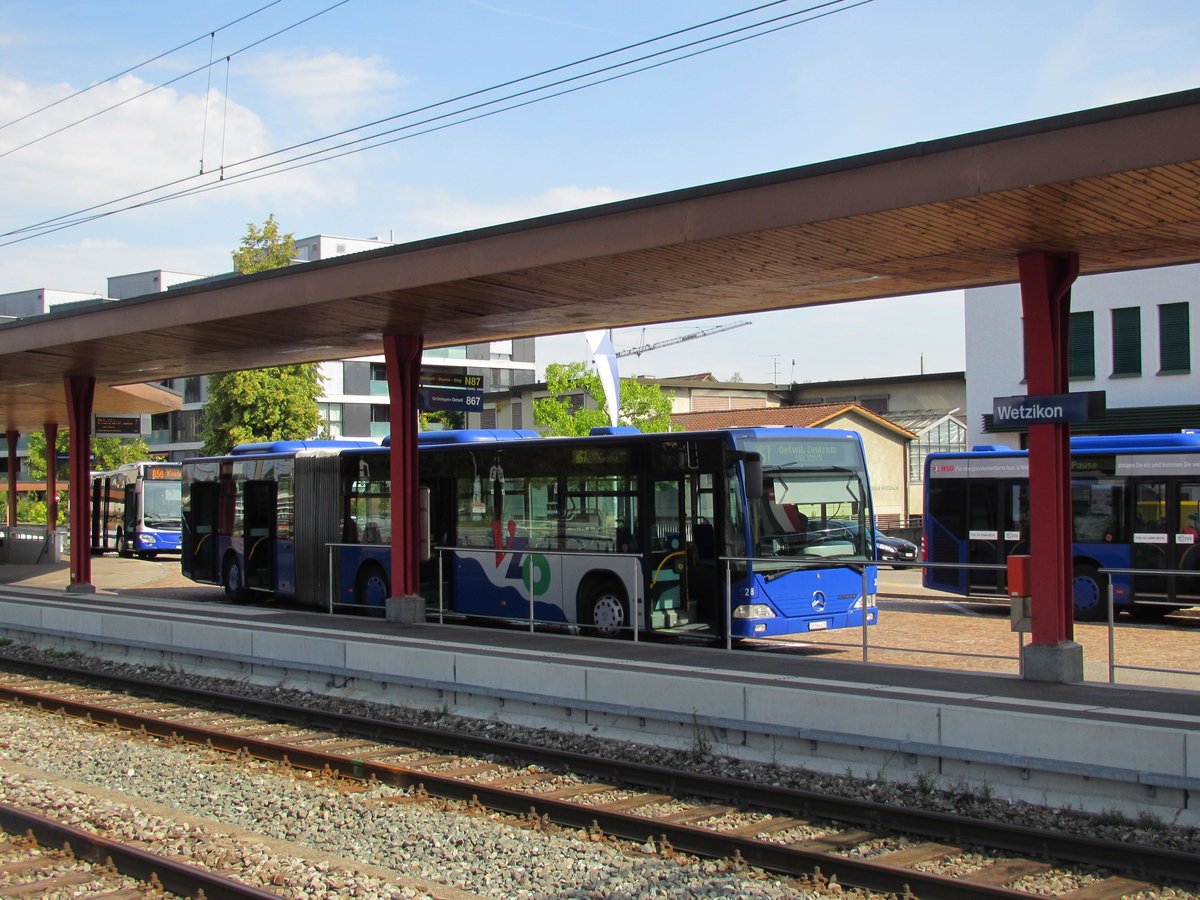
[(42, 857), (796, 833)]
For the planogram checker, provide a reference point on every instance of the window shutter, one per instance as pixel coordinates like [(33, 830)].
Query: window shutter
[(1081, 355), (1127, 341), (1174, 338)]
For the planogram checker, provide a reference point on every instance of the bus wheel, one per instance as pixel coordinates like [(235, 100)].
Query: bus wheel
[(604, 607), (233, 580), (371, 587), (122, 545), (1091, 594)]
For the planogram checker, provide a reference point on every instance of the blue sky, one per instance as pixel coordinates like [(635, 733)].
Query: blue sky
[(882, 74)]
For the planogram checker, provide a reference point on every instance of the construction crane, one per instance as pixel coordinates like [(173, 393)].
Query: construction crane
[(703, 332)]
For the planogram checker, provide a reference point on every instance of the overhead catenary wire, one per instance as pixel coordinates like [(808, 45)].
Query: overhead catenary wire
[(168, 82), (438, 123), (136, 66), (426, 108)]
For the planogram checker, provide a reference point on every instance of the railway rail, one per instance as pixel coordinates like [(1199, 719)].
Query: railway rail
[(783, 830), (42, 857)]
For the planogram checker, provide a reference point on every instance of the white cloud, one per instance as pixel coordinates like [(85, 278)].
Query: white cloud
[(152, 142), (329, 88)]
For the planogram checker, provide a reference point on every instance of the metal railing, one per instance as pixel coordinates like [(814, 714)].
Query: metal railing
[(1113, 665), (867, 646)]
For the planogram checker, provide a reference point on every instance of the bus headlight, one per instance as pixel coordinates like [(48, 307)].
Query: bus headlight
[(753, 611), (858, 604), (146, 540)]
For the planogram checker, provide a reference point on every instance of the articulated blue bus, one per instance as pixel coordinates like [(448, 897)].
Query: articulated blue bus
[(1135, 501), (609, 532)]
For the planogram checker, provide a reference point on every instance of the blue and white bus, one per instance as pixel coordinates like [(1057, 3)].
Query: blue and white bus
[(1135, 501), (609, 532), (135, 509)]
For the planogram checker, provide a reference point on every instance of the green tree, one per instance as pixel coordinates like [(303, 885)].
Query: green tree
[(107, 453), (643, 405), (264, 248), (277, 404), (270, 404)]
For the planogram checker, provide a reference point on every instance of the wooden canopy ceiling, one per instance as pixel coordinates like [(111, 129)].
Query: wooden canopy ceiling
[(1119, 185)]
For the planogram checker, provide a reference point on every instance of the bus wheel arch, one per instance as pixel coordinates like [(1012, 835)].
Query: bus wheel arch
[(1089, 591), (371, 585), (604, 604)]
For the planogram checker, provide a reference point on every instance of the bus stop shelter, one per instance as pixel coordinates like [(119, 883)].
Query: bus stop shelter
[(1040, 202)]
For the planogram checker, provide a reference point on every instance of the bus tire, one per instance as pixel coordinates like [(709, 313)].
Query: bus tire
[(371, 586), (1090, 591), (232, 580), (606, 608), (123, 545)]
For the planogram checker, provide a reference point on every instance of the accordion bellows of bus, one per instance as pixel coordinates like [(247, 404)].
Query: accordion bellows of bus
[(735, 534)]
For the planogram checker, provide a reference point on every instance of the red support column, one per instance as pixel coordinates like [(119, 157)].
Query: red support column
[(50, 429), (81, 389), (402, 356), (11, 514), (1046, 280)]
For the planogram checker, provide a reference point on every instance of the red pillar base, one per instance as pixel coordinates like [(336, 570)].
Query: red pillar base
[(1061, 663)]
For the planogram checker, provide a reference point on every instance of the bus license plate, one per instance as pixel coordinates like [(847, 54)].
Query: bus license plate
[(817, 626)]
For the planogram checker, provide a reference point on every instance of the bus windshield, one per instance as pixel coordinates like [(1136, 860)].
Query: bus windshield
[(813, 514), (161, 504), (814, 499)]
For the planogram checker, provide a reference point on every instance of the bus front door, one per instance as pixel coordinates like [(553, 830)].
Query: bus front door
[(1186, 544), (260, 533), (681, 565), (1151, 543)]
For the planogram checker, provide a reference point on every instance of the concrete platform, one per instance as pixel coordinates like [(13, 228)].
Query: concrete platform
[(1090, 746)]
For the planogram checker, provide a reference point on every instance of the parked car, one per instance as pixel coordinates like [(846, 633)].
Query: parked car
[(887, 548), (894, 548)]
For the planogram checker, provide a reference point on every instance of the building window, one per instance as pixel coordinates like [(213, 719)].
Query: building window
[(1174, 339), (332, 414), (948, 436), (1081, 352), (1127, 341)]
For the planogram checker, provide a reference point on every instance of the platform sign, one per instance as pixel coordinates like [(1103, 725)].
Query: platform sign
[(450, 378), (117, 426), (1042, 409), (431, 399)]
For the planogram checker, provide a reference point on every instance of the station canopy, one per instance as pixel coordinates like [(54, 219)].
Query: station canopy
[(1119, 185)]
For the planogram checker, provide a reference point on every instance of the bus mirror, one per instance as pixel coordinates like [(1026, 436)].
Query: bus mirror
[(753, 468), (426, 548)]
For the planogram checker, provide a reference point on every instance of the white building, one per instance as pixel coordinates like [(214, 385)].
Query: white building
[(1132, 336), (37, 301)]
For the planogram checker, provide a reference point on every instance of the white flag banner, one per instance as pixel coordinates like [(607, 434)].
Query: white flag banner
[(605, 357)]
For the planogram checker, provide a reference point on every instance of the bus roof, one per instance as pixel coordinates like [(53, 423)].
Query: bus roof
[(1102, 443), (296, 446)]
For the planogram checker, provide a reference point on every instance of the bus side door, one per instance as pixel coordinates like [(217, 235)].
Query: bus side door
[(200, 547), (260, 509)]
